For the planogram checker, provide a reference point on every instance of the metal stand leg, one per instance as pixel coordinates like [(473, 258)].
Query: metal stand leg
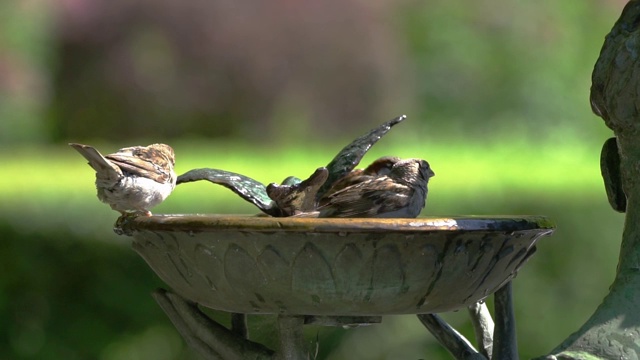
[(457, 344), (483, 327), (495, 342), (504, 336), (291, 338), (239, 325), (215, 342), (210, 339)]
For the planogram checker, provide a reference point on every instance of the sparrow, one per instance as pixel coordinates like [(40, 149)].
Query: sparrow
[(133, 179), (400, 193), (379, 167)]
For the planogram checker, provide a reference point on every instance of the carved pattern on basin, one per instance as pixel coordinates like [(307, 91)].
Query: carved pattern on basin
[(340, 267)]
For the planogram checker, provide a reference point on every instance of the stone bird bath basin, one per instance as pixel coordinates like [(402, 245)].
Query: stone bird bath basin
[(335, 267)]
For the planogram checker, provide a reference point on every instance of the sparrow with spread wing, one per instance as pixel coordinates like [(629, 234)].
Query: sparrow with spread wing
[(133, 179), (401, 193)]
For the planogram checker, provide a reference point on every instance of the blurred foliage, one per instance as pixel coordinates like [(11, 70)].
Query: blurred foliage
[(25, 71), (117, 70), (65, 298), (497, 97)]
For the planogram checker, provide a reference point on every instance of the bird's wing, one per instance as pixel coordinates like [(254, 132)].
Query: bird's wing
[(104, 168), (349, 157), (368, 199), (351, 179), (144, 162)]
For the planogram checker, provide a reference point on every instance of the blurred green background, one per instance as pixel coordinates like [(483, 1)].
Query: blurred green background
[(496, 92)]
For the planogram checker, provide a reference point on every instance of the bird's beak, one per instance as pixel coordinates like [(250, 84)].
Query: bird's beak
[(430, 173)]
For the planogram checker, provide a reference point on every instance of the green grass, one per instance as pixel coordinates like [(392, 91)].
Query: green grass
[(55, 186), (55, 173)]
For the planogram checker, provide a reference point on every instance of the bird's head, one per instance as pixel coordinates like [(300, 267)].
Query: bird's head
[(412, 170), (425, 170)]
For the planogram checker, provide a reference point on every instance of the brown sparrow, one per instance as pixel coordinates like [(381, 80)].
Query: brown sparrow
[(401, 193), (133, 179), (380, 167)]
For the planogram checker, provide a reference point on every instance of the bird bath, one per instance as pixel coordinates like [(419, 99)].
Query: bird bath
[(301, 268)]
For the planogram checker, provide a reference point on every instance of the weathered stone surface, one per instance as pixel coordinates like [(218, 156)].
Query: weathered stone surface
[(345, 267), (613, 330)]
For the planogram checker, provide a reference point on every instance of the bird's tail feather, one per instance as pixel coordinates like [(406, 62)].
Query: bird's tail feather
[(104, 168)]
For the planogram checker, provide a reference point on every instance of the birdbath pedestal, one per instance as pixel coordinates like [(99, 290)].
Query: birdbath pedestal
[(339, 272)]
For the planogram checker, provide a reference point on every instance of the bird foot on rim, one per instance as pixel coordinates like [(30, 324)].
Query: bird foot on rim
[(123, 219)]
